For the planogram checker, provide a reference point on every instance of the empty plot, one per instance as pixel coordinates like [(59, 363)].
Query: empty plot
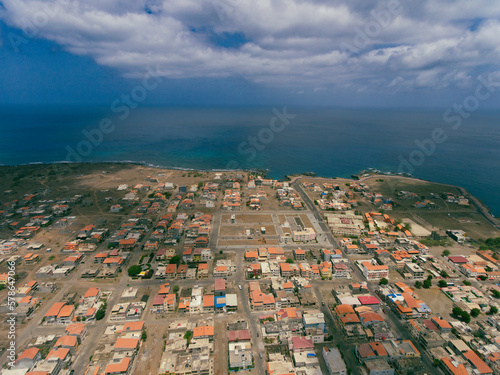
[(237, 230), (248, 218)]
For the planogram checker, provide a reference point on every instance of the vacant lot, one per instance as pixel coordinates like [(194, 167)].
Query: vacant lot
[(475, 225), (236, 230), (248, 218)]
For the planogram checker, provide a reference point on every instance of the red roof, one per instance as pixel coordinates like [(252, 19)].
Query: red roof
[(301, 343), (457, 259), (239, 335), (368, 300), (219, 284)]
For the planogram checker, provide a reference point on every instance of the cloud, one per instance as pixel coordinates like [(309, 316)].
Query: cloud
[(381, 45)]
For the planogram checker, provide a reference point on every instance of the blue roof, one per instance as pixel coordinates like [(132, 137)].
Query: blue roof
[(220, 304)]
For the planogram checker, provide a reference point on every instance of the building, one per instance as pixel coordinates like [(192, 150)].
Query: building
[(299, 254), (304, 235), (334, 361), (414, 270), (374, 272)]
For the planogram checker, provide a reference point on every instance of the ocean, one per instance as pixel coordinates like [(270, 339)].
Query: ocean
[(329, 142)]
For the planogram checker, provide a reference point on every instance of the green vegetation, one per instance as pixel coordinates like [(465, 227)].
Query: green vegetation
[(383, 281), (490, 244), (475, 312), (467, 282), (175, 289), (431, 242), (134, 270), (289, 260), (418, 284), (493, 310), (442, 284), (144, 336), (495, 293), (427, 284), (483, 277), (176, 259), (446, 253), (188, 336), (462, 315), (99, 315)]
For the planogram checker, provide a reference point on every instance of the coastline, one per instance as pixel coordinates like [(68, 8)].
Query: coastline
[(481, 207)]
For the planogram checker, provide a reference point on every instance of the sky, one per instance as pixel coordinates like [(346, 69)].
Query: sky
[(399, 53)]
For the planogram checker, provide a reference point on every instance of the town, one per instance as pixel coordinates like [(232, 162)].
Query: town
[(124, 269)]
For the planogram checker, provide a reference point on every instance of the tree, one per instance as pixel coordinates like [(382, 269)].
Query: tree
[(176, 259), (475, 312), (188, 336), (467, 282), (496, 293), (444, 274), (442, 284), (465, 317), (427, 284), (446, 253), (100, 313), (144, 336), (383, 281), (134, 270), (289, 260), (175, 288), (493, 310), (429, 277), (418, 284), (483, 277), (457, 311)]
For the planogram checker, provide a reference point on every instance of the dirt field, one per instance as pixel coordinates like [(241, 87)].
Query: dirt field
[(251, 243), (436, 300), (248, 218), (231, 230), (475, 225)]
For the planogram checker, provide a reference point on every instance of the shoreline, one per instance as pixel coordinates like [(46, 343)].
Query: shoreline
[(481, 207)]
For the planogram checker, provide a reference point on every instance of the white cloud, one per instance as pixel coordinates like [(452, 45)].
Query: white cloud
[(296, 43)]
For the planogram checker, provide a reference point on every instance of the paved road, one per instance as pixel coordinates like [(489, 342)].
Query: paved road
[(394, 321), (253, 322), (345, 347)]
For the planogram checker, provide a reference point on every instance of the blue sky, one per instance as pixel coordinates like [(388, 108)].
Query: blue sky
[(232, 52)]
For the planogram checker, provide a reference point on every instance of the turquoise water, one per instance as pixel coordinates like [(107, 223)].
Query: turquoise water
[(330, 142)]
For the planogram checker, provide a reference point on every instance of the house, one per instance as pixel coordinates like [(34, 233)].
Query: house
[(133, 327), (334, 361), (28, 358), (208, 303), (299, 254), (374, 272), (66, 314), (51, 315), (119, 368), (302, 344), (79, 330), (92, 294), (67, 342), (169, 303), (126, 344), (204, 332), (170, 271), (219, 287), (477, 363)]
